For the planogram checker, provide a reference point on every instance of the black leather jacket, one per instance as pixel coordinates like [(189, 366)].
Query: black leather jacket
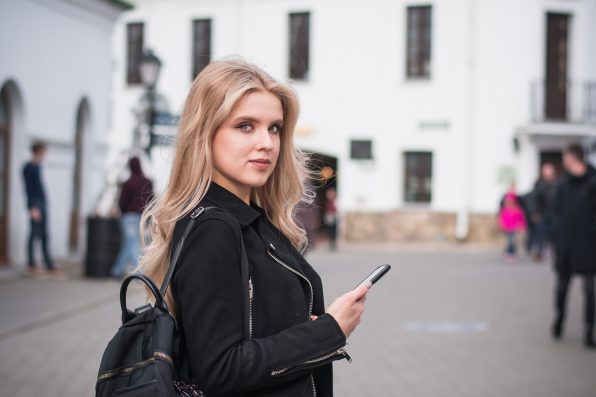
[(286, 355)]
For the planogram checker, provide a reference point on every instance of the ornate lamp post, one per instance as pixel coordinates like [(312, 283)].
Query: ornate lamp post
[(149, 68)]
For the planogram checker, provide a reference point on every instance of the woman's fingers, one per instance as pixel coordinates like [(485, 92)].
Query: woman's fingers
[(360, 291)]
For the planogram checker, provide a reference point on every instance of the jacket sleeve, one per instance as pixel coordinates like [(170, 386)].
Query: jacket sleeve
[(207, 285), (31, 180)]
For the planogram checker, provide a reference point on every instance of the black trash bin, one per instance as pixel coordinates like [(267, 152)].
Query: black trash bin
[(103, 245)]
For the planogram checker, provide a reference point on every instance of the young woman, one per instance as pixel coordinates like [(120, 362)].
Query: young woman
[(235, 151)]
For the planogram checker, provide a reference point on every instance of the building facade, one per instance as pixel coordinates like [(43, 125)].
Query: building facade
[(422, 112), (55, 76)]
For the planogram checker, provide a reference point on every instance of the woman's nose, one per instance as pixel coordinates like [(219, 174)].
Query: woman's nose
[(265, 142)]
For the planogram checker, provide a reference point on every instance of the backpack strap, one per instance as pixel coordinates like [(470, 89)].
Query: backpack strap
[(244, 271)]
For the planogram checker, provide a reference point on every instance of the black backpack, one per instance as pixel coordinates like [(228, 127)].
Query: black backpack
[(139, 360)]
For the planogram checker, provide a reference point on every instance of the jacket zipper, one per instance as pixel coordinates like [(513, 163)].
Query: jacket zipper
[(250, 299), (312, 295), (127, 370), (339, 352), (310, 308)]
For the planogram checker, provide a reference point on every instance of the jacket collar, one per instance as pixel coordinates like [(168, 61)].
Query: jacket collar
[(226, 200)]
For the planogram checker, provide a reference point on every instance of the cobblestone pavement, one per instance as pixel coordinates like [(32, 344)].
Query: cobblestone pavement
[(443, 323)]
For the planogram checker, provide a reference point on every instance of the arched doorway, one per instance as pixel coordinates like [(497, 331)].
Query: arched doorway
[(323, 170), (81, 125), (4, 173)]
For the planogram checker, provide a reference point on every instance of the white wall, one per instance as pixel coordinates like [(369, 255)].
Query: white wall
[(56, 53), (485, 55)]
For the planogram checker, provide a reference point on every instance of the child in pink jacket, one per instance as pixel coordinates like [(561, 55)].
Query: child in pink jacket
[(511, 220)]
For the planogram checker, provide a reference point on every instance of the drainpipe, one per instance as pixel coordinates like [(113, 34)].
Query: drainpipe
[(462, 226)]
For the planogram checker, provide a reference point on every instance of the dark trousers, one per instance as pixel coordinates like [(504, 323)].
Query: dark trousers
[(542, 235), (332, 230), (39, 232), (562, 287)]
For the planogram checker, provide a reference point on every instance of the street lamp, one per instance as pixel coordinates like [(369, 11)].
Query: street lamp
[(150, 66)]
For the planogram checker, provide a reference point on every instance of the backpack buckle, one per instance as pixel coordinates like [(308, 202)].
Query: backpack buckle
[(197, 212)]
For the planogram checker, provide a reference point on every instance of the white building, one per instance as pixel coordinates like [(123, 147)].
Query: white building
[(55, 76), (427, 109)]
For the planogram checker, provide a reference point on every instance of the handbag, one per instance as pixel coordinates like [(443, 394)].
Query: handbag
[(139, 360)]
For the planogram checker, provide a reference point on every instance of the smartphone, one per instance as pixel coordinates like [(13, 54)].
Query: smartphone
[(376, 274)]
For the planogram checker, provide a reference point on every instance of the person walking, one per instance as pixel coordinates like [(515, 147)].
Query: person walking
[(511, 221), (575, 244), (330, 217), (527, 204), (235, 151), (38, 215), (136, 193), (545, 191)]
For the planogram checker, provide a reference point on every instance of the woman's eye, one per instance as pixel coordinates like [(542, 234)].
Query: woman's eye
[(275, 128), (244, 127)]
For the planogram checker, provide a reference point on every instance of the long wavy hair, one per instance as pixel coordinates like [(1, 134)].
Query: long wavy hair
[(213, 94)]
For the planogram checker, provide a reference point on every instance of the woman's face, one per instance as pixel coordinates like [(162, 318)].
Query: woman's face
[(246, 146)]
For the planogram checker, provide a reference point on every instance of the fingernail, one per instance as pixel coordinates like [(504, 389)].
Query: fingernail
[(368, 284)]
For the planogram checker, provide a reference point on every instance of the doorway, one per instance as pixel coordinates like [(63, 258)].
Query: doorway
[(323, 176), (555, 157), (557, 48), (4, 174)]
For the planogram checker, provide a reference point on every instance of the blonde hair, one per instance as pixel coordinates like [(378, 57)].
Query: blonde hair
[(210, 100)]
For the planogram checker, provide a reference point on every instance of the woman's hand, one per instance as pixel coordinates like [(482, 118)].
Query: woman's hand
[(348, 308)]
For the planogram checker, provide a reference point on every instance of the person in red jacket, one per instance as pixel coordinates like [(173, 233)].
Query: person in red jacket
[(136, 193)]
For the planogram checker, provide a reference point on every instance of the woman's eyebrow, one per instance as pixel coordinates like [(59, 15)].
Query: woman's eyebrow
[(254, 120), (245, 118)]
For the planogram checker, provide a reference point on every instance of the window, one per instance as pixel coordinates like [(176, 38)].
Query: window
[(418, 177), (299, 45), (418, 42), (134, 48), (201, 45), (361, 150)]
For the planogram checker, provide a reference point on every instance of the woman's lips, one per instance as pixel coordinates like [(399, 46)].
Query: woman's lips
[(260, 164)]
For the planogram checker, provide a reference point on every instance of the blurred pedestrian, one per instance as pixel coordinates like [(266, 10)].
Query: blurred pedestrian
[(136, 192), (575, 223), (512, 221), (330, 217), (528, 206), (545, 191), (38, 214)]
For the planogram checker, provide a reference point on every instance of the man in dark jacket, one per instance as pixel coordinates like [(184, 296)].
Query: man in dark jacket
[(545, 193), (37, 206), (575, 220), (136, 193)]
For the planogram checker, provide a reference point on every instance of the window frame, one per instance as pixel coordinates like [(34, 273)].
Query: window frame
[(359, 147), (422, 59), (195, 68), (299, 63), (421, 197), (134, 56)]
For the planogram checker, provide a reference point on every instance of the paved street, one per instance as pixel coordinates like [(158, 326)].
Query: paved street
[(444, 322)]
